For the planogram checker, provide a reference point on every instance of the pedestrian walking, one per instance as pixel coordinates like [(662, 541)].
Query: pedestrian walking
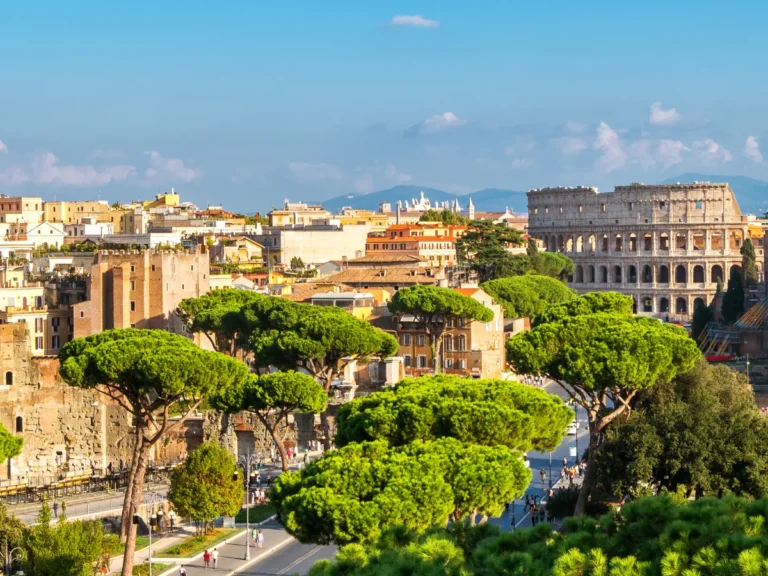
[(527, 500), (109, 467), (534, 512), (215, 556), (182, 571), (542, 514), (260, 539), (543, 474), (122, 465), (206, 559), (55, 509), (565, 462), (254, 535)]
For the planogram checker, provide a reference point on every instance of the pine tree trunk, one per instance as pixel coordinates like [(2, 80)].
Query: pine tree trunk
[(126, 516), (590, 475), (134, 504)]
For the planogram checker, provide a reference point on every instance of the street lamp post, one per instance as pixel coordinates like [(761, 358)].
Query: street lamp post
[(246, 463), (550, 470), (10, 556), (150, 499)]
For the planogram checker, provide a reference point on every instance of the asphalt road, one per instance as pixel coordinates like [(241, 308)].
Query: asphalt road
[(293, 558)]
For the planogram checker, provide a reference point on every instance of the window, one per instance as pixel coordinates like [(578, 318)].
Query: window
[(699, 204), (133, 306), (460, 322), (422, 340), (461, 343), (631, 206), (182, 286), (546, 210), (449, 363), (407, 361), (55, 341), (9, 378), (406, 339), (133, 268), (462, 364), (38, 324), (422, 362), (133, 285), (153, 267), (581, 208), (561, 209), (535, 210), (662, 205), (55, 324), (38, 342), (602, 207), (82, 314), (19, 424)]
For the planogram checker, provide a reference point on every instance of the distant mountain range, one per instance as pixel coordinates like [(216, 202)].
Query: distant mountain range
[(487, 200), (751, 194)]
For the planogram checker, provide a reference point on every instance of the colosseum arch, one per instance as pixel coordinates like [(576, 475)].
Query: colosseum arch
[(560, 243), (591, 274), (681, 306), (617, 274), (603, 275), (664, 304), (681, 275), (619, 246), (579, 243), (632, 274), (699, 243), (592, 243), (648, 242), (663, 241), (578, 275), (647, 304), (716, 241), (664, 274), (632, 242), (698, 274), (647, 274), (735, 269), (604, 243), (698, 302), (681, 241), (553, 243), (716, 274), (569, 244)]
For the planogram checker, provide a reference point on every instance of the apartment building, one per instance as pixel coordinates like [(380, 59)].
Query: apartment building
[(74, 212), (434, 242), (26, 210), (141, 289), (473, 349), (297, 213), (314, 244)]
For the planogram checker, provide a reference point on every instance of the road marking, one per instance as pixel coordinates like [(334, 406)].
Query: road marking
[(300, 560)]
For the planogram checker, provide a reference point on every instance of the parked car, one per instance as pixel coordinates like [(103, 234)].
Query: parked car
[(573, 428)]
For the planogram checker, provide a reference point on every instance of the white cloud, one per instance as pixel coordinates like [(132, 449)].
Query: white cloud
[(313, 172), (521, 146), (392, 173), (570, 145), (3, 147), (641, 152), (519, 163), (414, 21), (752, 150), (440, 122), (662, 117), (45, 168), (163, 168), (670, 152), (613, 156), (575, 126), (710, 152), (364, 184)]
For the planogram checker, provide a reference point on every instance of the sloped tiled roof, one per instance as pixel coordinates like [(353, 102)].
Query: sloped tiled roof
[(756, 317)]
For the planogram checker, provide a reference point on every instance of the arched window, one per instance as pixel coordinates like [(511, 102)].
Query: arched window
[(735, 269), (579, 275), (462, 342), (619, 243), (591, 274), (569, 244), (681, 241), (698, 273), (591, 243), (664, 274), (632, 275), (24, 303), (560, 243), (648, 242), (664, 305), (717, 274), (647, 304), (617, 274), (19, 424), (552, 243), (579, 243), (9, 378), (38, 301), (647, 274), (634, 305), (633, 242), (603, 275), (680, 274), (664, 241), (604, 243), (681, 306)]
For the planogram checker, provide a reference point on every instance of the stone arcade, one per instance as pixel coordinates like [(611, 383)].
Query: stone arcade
[(664, 245)]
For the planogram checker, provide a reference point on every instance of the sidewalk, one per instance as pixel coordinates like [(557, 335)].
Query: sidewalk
[(140, 556), (231, 555)]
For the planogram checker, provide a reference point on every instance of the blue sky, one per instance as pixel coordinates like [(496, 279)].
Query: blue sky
[(247, 103)]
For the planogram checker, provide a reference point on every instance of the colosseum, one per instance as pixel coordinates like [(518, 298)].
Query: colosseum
[(664, 245)]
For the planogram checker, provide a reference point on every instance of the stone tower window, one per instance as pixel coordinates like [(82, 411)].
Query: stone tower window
[(9, 378), (602, 207), (19, 424)]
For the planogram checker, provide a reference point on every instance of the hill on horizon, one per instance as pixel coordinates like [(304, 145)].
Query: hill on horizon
[(486, 200)]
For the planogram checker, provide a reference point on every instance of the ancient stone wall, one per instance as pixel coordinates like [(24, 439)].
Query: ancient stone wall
[(664, 245)]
